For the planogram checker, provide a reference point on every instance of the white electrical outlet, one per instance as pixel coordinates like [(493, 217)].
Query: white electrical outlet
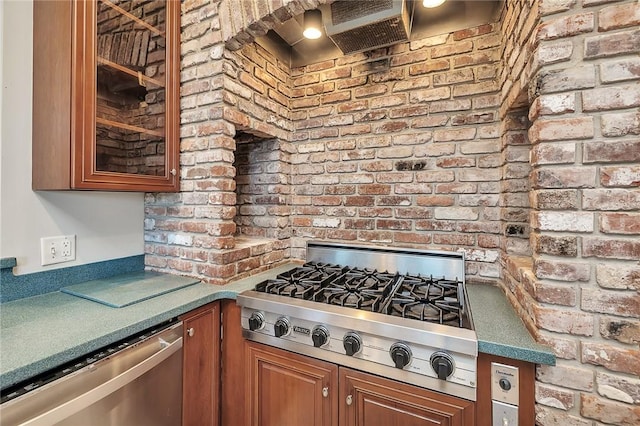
[(57, 249)]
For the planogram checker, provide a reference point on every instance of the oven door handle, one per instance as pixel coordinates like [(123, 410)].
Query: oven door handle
[(99, 392)]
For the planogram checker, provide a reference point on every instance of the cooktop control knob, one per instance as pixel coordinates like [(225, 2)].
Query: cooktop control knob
[(400, 354), (442, 364), (352, 343), (320, 336), (256, 321), (281, 327)]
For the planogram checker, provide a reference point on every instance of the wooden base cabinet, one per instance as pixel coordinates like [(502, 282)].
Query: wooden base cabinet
[(367, 400), (288, 389), (201, 366)]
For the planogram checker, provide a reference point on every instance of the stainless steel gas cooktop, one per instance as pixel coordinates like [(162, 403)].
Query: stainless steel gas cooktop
[(399, 313)]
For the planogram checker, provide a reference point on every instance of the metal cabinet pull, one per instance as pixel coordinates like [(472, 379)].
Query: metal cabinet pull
[(173, 172), (325, 391), (191, 331), (349, 400)]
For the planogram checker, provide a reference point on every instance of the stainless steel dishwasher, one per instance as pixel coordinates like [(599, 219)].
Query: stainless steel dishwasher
[(135, 382)]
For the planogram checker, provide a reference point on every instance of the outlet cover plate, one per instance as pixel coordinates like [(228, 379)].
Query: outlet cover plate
[(57, 249)]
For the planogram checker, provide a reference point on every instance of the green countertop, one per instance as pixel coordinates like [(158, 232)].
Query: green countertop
[(42, 332)]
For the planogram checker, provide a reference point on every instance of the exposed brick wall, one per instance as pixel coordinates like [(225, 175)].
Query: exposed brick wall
[(585, 196), (400, 146), (515, 141)]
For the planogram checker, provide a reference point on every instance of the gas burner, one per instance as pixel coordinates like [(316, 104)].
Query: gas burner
[(301, 282), (436, 311), (358, 288)]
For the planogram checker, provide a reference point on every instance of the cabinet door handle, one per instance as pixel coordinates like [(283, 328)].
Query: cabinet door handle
[(191, 331), (349, 400), (173, 172), (325, 391)]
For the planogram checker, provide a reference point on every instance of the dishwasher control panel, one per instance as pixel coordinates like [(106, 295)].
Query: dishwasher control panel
[(505, 395)]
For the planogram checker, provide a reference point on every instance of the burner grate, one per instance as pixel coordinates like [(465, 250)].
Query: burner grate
[(417, 297)]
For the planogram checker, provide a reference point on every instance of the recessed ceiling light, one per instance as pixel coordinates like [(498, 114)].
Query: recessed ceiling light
[(312, 24), (432, 3)]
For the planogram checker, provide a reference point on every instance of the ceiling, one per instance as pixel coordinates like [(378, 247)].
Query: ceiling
[(286, 42)]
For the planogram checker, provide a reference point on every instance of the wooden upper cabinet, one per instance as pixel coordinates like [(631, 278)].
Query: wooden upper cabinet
[(106, 95)]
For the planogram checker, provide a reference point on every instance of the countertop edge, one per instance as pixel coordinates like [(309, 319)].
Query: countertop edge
[(520, 347)]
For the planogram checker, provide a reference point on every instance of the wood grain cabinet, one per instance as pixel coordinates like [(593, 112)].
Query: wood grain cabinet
[(201, 367), (106, 95), (368, 400), (287, 389), (290, 389)]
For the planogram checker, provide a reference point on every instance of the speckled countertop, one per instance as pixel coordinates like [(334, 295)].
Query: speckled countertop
[(41, 332)]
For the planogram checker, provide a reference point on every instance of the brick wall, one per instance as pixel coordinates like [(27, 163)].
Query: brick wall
[(578, 291), (515, 141)]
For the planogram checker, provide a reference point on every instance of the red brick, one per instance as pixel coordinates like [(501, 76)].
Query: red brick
[(608, 98), (429, 66), (483, 57), (412, 238), (622, 330), (454, 239), (556, 245), (562, 348), (621, 70), (360, 201), (614, 276), (564, 178), (551, 53), (623, 151), (435, 200), (554, 397), (561, 271), (619, 16), (612, 44), (555, 294), (620, 176), (564, 321), (398, 225), (620, 223), (610, 199), (413, 213), (561, 129), (555, 199), (618, 387), (553, 153), (451, 49), (621, 124), (563, 221), (608, 411), (625, 304), (566, 26), (564, 80), (472, 32), (610, 249)]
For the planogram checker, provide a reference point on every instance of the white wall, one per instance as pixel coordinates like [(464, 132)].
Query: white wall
[(106, 225)]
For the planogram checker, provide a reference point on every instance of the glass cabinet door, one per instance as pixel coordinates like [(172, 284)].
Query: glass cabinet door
[(130, 95)]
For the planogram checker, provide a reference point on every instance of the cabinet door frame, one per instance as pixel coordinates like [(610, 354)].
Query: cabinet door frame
[(201, 407), (448, 410), (323, 372), (84, 173)]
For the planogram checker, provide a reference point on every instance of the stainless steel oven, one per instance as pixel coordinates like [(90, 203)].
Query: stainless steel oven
[(134, 382), (399, 313)]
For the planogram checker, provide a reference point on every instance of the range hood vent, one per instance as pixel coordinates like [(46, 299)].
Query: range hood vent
[(365, 25)]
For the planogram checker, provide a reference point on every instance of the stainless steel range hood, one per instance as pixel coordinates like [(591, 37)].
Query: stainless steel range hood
[(365, 25)]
